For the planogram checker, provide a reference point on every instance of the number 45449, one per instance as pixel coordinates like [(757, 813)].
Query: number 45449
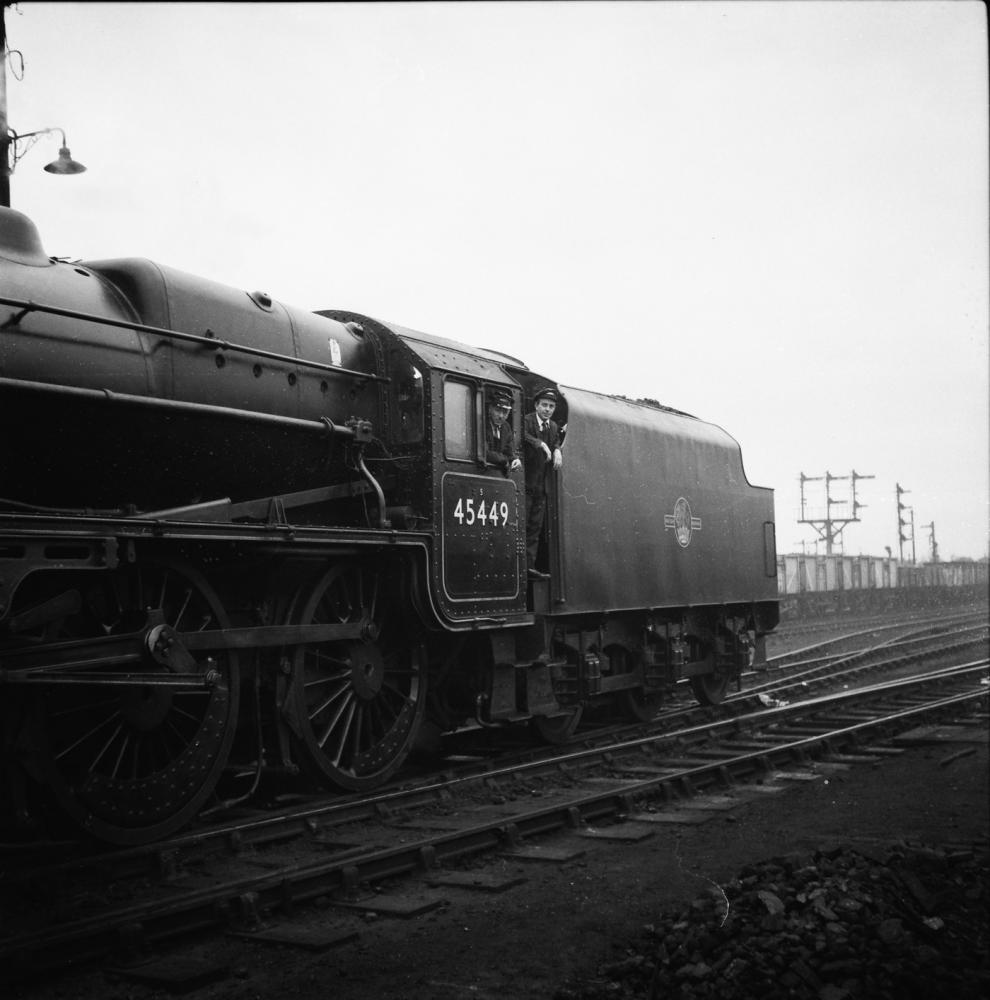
[(467, 512)]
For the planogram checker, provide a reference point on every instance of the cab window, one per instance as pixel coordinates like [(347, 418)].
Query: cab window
[(458, 420)]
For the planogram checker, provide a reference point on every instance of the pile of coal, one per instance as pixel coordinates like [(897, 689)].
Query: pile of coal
[(908, 922)]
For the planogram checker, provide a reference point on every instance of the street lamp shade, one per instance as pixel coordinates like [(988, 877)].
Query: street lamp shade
[(64, 164)]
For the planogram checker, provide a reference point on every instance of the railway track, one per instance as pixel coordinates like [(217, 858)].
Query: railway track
[(236, 875), (901, 653), (473, 755)]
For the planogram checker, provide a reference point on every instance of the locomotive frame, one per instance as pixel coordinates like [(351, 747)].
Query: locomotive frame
[(223, 561)]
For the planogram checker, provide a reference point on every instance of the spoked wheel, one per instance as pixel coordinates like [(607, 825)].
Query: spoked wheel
[(557, 728), (355, 705), (710, 689), (635, 703), (134, 763)]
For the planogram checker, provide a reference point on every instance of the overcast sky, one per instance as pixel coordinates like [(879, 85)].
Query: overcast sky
[(771, 215)]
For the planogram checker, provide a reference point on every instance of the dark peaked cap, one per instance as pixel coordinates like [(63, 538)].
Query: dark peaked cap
[(547, 393)]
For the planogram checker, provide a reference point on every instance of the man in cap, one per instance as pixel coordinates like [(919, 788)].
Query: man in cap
[(541, 452), (500, 445)]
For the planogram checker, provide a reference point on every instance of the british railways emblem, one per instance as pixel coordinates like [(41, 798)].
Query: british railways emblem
[(682, 522)]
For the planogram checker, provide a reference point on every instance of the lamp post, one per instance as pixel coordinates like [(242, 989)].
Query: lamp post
[(4, 132), (9, 155)]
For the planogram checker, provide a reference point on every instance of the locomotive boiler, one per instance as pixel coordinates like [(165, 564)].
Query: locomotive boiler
[(240, 540)]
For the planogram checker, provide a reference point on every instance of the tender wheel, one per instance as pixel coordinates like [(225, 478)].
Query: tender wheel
[(557, 728), (133, 764), (355, 706), (710, 689), (634, 703)]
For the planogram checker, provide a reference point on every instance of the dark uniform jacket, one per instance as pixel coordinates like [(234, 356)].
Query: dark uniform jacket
[(500, 445), (534, 457)]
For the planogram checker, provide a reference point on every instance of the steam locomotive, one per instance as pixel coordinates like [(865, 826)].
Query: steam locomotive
[(240, 540)]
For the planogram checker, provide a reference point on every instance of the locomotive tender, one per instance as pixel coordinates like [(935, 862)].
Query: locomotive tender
[(240, 539)]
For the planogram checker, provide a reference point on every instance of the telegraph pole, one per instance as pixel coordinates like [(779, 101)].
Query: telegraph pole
[(902, 524), (830, 528)]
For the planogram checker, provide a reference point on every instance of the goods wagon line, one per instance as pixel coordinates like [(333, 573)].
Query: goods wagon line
[(809, 586)]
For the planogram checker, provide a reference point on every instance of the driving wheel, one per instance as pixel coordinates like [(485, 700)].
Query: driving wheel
[(354, 706), (132, 763)]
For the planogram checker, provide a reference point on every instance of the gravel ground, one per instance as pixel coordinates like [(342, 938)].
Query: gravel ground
[(851, 886)]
